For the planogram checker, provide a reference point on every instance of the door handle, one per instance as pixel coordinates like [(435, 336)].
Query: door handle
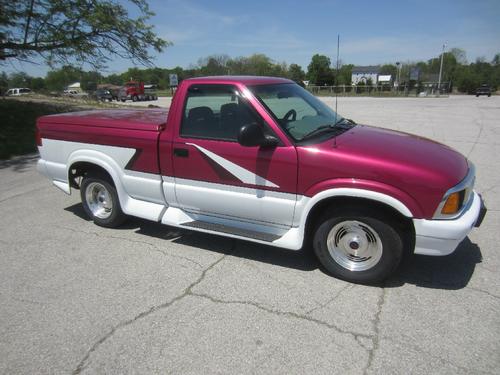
[(181, 152)]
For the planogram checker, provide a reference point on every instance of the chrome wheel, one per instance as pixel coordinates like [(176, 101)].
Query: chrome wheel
[(99, 200), (354, 245)]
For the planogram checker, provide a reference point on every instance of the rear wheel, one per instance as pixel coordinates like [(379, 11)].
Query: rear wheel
[(100, 201), (135, 98), (358, 246)]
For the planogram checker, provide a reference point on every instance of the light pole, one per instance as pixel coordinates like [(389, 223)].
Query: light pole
[(398, 74), (441, 69)]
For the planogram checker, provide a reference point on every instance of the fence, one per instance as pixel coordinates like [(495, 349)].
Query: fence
[(418, 89)]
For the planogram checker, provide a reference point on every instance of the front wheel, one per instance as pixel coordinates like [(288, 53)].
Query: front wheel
[(359, 247), (100, 201)]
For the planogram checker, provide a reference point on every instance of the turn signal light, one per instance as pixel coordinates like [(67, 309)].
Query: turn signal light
[(452, 204)]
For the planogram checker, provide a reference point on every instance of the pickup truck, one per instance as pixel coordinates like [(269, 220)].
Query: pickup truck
[(261, 159)]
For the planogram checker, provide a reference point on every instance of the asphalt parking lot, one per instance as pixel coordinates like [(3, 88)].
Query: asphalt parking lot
[(146, 298)]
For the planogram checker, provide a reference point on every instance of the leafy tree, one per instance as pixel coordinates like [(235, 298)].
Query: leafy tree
[(4, 83), (345, 74), (57, 80), (389, 69), (460, 55), (319, 72), (295, 73), (214, 65), (20, 79), (37, 84), (62, 31)]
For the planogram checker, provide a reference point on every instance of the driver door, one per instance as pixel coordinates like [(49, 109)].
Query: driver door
[(216, 176)]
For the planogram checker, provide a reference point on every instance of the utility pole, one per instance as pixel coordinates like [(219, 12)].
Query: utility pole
[(441, 70)]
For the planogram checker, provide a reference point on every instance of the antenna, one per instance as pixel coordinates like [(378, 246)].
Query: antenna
[(337, 76), (336, 84)]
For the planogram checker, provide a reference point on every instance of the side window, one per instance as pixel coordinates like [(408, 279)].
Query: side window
[(215, 112)]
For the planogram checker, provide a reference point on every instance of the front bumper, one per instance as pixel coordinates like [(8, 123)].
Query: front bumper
[(441, 237)]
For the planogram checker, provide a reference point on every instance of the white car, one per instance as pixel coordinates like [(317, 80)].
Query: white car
[(18, 92)]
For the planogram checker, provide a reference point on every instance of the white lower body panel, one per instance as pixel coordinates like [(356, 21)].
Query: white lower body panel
[(441, 237)]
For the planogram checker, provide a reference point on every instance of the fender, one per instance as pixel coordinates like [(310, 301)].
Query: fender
[(131, 206), (412, 208)]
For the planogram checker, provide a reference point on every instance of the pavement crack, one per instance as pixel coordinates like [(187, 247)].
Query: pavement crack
[(483, 291), (153, 247), (288, 314), (188, 291), (376, 336), (330, 300)]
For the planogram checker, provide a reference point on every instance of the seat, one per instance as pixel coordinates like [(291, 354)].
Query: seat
[(200, 122), (230, 121)]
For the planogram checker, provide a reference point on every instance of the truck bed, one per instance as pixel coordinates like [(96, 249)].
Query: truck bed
[(132, 119)]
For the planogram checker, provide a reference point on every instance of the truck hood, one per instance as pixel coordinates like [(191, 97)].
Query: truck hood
[(134, 119), (419, 167), (404, 152)]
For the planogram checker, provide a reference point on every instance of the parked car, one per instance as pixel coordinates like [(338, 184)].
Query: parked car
[(483, 90), (103, 95), (75, 94), (261, 159), (18, 92)]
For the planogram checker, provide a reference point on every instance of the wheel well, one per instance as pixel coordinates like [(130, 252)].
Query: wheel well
[(81, 168), (402, 223)]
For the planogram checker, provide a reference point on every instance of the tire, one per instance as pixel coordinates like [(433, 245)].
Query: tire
[(358, 246), (123, 100), (100, 200), (135, 98)]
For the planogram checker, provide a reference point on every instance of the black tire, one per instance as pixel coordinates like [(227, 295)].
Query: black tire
[(135, 98), (381, 264), (92, 184)]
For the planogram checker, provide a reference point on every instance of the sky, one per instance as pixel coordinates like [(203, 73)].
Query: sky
[(371, 32)]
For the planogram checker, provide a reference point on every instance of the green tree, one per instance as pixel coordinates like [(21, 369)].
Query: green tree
[(319, 72), (4, 83), (345, 74), (295, 73), (214, 65), (20, 79), (57, 80), (62, 31)]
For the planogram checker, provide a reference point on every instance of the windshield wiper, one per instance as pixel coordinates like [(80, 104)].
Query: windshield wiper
[(341, 125), (320, 129)]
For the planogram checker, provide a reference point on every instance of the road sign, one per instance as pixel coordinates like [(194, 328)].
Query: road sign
[(174, 82)]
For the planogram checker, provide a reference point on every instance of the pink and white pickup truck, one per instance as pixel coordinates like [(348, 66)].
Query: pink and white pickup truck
[(260, 159)]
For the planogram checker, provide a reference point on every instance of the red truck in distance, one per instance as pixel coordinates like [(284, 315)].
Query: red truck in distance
[(136, 91), (261, 159)]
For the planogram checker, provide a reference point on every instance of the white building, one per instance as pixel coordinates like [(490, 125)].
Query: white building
[(364, 74)]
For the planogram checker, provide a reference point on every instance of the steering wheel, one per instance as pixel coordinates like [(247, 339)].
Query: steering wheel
[(291, 115)]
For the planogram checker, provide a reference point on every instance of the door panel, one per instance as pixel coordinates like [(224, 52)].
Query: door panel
[(215, 175)]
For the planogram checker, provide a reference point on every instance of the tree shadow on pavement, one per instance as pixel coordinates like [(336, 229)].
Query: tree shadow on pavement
[(20, 163), (450, 272)]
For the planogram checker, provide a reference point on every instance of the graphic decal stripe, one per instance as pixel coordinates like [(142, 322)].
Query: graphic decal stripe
[(240, 173)]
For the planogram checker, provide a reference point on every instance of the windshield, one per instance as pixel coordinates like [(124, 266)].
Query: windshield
[(297, 111)]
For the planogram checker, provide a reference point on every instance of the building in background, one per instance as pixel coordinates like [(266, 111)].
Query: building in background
[(365, 74)]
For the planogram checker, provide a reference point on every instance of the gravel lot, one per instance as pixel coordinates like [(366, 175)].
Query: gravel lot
[(146, 298)]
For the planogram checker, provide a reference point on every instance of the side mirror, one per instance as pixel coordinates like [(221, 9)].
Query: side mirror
[(252, 135)]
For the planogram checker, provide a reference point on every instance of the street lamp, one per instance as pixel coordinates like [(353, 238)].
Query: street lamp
[(441, 70), (398, 73)]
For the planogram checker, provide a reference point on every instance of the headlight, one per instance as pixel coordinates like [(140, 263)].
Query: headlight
[(456, 199), (452, 204)]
